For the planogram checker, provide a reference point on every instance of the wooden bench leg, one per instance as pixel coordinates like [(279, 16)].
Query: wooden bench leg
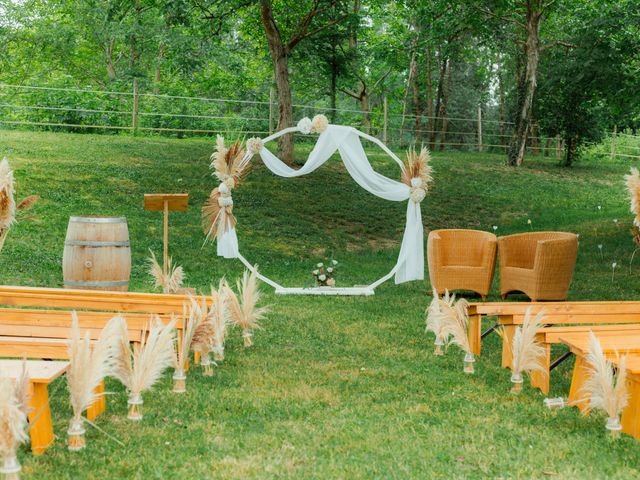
[(475, 332), (631, 414), (196, 358), (576, 395), (40, 427), (540, 379), (507, 341), (99, 406)]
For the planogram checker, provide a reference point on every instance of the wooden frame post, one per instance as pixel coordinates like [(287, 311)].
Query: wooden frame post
[(136, 106)]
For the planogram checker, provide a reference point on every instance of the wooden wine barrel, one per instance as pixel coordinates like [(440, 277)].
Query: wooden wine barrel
[(97, 255)]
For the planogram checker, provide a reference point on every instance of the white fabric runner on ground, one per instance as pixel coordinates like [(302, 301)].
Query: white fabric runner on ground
[(346, 140)]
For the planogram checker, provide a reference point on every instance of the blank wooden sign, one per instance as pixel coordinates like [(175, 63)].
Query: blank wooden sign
[(175, 201)]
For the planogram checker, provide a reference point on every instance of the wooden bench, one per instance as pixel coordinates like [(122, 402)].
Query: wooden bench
[(511, 314), (42, 333), (612, 346), (41, 374)]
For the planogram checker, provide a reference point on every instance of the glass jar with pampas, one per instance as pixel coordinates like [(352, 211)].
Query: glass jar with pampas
[(88, 365), (606, 387), (435, 319), (527, 352), (456, 330), (14, 401), (197, 315), (140, 370), (244, 311)]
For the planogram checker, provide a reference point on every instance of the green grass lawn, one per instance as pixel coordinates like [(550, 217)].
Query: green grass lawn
[(334, 387)]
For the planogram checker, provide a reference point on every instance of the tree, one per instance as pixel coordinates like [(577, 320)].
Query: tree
[(306, 25)]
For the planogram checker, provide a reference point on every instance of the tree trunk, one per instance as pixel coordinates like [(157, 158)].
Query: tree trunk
[(333, 86), (157, 76), (439, 93), (404, 100), (547, 146), (280, 58), (416, 98), (364, 105), (571, 149), (443, 106), (111, 68), (501, 107), (429, 99), (527, 87)]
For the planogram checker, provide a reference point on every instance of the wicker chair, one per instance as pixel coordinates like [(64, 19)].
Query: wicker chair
[(461, 260), (538, 264)]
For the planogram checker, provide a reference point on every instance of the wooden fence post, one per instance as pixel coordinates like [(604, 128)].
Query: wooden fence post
[(558, 149), (479, 128), (136, 106), (613, 142), (271, 95), (384, 128)]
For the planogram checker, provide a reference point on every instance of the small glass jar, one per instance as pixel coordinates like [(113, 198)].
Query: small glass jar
[(179, 382), (75, 436), (135, 407), (517, 380), (469, 360)]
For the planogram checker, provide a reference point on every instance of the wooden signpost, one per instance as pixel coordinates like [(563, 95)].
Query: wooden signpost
[(165, 202)]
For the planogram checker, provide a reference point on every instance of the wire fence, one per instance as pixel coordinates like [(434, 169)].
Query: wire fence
[(148, 113)]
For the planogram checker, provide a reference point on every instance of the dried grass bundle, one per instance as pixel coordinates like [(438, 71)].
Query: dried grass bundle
[(227, 162), (191, 324), (88, 365), (245, 312), (220, 319), (8, 207), (13, 423), (528, 353), (417, 166), (172, 281), (632, 181), (435, 318), (604, 389), (456, 329), (217, 212), (7, 200), (140, 370)]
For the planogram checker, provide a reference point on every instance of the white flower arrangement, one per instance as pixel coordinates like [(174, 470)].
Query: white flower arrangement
[(325, 276), (319, 123), (417, 194), (254, 145), (304, 125)]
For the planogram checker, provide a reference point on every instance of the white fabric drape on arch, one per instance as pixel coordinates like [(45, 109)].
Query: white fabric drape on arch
[(346, 140)]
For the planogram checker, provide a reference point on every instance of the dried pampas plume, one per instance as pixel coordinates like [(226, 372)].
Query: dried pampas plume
[(13, 423), (528, 353), (632, 181), (191, 324), (88, 365), (220, 318), (229, 168), (139, 371), (202, 341), (417, 167), (435, 321), (8, 207), (604, 389), (456, 329), (172, 281), (245, 311)]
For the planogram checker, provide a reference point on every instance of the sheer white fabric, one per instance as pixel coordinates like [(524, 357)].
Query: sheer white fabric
[(346, 140)]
